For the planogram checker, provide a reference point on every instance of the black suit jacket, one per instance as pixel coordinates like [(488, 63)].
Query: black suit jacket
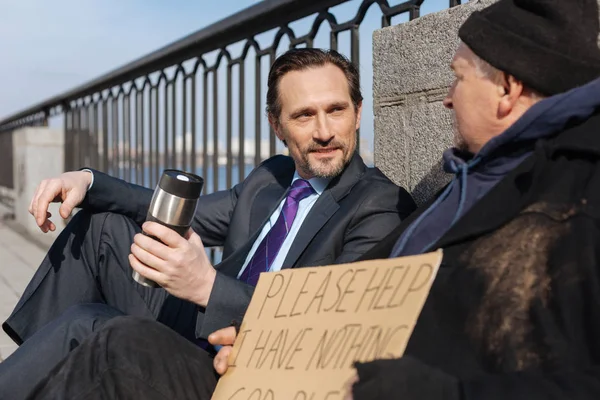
[(357, 209)]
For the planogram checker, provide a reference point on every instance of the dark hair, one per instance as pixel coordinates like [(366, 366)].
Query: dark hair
[(304, 58)]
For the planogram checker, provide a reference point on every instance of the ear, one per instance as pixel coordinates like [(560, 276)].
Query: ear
[(510, 89), (274, 122), (358, 115)]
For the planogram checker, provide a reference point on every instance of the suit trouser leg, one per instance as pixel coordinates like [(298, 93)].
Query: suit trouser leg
[(131, 358), (88, 264), (36, 357)]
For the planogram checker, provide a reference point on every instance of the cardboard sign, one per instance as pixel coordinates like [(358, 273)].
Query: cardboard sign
[(305, 327)]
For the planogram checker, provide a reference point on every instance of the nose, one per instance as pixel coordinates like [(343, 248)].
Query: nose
[(447, 102), (323, 132)]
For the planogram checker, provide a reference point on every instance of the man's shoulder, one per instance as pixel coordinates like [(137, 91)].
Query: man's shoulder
[(373, 178)]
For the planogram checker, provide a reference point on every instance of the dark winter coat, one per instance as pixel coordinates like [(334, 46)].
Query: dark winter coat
[(514, 312)]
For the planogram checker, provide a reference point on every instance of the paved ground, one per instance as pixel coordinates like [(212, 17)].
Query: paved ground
[(19, 258)]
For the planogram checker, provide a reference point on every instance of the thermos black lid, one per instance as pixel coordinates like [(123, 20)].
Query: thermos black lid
[(181, 184)]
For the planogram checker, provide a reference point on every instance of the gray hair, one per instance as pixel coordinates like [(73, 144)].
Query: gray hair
[(486, 70)]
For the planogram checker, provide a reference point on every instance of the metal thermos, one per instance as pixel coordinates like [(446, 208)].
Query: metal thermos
[(173, 205)]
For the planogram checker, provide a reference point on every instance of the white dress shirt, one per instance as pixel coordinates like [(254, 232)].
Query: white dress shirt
[(319, 185)]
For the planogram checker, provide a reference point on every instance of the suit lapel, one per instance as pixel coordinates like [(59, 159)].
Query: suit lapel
[(231, 265), (321, 212), (325, 207), (265, 202)]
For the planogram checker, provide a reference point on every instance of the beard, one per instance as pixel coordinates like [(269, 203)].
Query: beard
[(457, 138), (328, 167)]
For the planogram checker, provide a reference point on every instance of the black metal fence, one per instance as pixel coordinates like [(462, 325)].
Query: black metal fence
[(197, 103)]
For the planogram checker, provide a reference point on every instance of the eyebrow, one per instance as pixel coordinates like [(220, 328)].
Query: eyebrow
[(339, 104), (301, 111)]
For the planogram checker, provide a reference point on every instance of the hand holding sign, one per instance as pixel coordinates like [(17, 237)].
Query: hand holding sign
[(305, 327)]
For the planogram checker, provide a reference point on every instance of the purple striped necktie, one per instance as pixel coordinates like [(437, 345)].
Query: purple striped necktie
[(269, 247)]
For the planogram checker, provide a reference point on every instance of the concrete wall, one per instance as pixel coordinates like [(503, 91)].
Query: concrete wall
[(38, 154), (411, 76)]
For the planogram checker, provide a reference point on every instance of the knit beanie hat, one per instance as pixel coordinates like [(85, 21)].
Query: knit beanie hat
[(549, 45)]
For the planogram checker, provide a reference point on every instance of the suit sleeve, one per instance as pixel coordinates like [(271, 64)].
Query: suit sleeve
[(382, 210), (228, 302), (211, 221)]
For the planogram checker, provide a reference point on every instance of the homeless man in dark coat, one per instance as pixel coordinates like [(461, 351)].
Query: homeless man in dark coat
[(514, 312), (314, 103)]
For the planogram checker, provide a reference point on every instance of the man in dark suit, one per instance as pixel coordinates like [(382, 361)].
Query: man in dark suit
[(330, 207)]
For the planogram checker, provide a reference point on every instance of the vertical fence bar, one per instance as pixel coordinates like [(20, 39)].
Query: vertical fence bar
[(95, 148), (68, 157), (229, 167), (104, 136), (272, 137), (257, 114), (193, 123), (205, 131), (355, 58), (173, 163), (184, 125), (156, 165), (77, 138), (139, 143), (215, 160), (415, 12), (151, 134), (333, 40), (166, 138), (115, 135), (242, 118), (127, 135)]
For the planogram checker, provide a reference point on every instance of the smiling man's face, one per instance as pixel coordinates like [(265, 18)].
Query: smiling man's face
[(318, 121)]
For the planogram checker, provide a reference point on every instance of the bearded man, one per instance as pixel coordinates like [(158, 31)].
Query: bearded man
[(319, 206)]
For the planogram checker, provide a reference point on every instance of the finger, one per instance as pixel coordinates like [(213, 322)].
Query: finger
[(35, 195), (152, 246), (195, 240), (145, 270), (221, 361), (68, 205), (349, 385), (167, 235), (47, 226), (51, 190), (34, 200), (223, 337), (147, 258)]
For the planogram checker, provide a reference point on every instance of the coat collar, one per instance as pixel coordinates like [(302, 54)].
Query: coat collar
[(514, 193)]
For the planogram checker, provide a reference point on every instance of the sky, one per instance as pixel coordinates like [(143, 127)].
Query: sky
[(49, 47)]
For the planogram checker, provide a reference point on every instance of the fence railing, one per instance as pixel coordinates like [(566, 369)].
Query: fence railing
[(196, 104)]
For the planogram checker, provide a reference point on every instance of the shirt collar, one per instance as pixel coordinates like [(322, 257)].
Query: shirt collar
[(318, 184)]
